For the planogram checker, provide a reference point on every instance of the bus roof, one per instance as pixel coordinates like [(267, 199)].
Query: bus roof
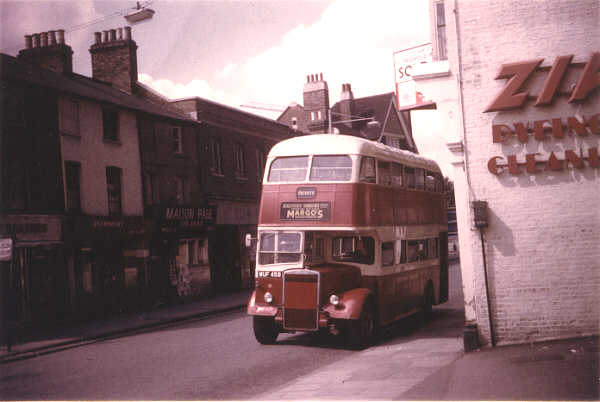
[(335, 144)]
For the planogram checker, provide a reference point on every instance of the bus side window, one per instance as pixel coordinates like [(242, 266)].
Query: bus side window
[(433, 248), (423, 249), (320, 243), (396, 175), (412, 250), (308, 246), (367, 170), (409, 174), (403, 252), (383, 173), (420, 175), (387, 253)]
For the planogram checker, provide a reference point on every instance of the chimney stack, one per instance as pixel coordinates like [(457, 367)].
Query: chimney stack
[(346, 104), (43, 50), (316, 103), (114, 59)]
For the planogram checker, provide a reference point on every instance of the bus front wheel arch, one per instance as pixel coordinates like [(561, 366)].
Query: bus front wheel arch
[(360, 332)]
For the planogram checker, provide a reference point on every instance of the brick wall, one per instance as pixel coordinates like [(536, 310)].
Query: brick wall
[(543, 239), (114, 60)]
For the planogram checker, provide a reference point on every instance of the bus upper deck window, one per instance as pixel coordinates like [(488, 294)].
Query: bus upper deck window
[(331, 168), (288, 169), (429, 181), (384, 174), (409, 174), (396, 175), (420, 175), (367, 170)]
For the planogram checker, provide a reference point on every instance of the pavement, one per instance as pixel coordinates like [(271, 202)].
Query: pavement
[(438, 368)]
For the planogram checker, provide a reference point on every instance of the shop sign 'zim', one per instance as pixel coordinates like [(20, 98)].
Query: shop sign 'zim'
[(512, 96)]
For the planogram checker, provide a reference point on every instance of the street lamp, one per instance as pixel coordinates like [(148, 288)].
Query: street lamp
[(140, 13)]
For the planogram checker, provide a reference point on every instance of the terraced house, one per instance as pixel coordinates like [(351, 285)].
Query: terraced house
[(110, 193)]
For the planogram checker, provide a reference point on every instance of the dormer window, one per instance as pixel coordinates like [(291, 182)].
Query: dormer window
[(295, 123)]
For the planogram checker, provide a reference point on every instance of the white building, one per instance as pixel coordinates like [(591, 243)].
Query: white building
[(516, 84)]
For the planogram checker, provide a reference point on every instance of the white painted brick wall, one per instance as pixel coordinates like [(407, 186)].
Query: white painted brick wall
[(543, 241)]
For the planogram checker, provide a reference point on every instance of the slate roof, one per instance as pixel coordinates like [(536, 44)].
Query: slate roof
[(376, 106), (218, 114), (14, 70)]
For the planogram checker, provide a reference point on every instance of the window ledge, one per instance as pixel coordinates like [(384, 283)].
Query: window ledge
[(112, 142), (70, 135)]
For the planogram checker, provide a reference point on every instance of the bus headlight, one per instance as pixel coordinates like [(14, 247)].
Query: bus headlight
[(268, 298), (334, 300)]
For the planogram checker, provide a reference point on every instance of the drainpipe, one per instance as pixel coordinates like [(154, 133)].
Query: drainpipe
[(481, 222)]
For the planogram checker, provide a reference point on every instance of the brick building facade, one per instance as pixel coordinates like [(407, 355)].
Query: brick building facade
[(516, 87), (114, 197)]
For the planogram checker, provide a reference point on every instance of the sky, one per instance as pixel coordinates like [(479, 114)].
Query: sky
[(242, 52)]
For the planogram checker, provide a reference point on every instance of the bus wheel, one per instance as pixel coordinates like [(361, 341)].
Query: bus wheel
[(360, 333), (428, 297), (265, 330)]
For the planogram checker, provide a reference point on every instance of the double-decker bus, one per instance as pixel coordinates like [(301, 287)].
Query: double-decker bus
[(352, 235)]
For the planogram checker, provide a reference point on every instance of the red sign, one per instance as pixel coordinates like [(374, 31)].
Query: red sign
[(512, 96)]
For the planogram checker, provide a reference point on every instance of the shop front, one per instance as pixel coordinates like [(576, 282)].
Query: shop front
[(108, 262), (34, 277), (180, 261)]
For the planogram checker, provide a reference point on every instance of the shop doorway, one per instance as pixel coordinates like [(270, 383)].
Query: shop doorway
[(224, 254)]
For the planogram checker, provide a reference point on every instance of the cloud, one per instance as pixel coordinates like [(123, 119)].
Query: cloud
[(352, 42), (226, 71)]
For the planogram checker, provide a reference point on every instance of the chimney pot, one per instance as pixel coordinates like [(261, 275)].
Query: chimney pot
[(127, 33), (104, 36), (120, 33), (113, 35), (61, 36), (97, 37), (41, 49), (52, 37), (307, 77), (321, 77)]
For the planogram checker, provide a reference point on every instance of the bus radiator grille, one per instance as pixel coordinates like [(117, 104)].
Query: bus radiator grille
[(301, 301)]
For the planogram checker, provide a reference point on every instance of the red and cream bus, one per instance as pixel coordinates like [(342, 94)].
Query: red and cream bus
[(352, 235)]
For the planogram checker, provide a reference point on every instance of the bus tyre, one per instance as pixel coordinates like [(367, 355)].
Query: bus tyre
[(265, 330), (428, 299), (360, 333)]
